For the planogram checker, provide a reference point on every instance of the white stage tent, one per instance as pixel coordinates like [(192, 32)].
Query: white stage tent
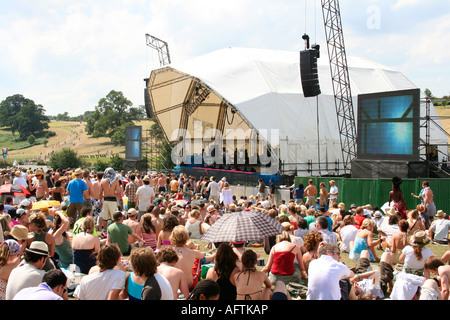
[(261, 89)]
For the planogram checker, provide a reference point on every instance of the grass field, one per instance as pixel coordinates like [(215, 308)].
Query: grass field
[(69, 134)]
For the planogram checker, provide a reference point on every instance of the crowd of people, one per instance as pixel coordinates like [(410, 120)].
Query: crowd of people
[(132, 235)]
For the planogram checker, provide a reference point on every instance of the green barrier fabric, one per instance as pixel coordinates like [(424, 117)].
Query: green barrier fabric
[(376, 191)]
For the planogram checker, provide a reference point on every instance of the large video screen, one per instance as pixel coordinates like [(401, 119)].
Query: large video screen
[(388, 125)]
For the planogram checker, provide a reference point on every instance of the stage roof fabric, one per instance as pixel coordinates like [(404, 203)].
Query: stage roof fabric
[(261, 89)]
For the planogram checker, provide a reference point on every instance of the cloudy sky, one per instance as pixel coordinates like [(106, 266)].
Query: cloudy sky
[(67, 55)]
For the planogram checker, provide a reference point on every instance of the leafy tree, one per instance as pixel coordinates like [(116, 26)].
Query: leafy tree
[(111, 113), (22, 115), (31, 139), (66, 158)]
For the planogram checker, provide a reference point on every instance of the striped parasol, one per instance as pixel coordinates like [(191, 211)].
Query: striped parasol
[(242, 226)]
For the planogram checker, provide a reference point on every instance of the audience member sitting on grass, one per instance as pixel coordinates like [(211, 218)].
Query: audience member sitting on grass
[(252, 284)]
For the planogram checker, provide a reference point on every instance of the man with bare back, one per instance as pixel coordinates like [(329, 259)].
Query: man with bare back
[(109, 189), (87, 180), (167, 258), (189, 260)]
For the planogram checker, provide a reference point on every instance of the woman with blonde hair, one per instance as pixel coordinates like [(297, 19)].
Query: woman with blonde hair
[(280, 264), (194, 224), (364, 241), (86, 246), (415, 222)]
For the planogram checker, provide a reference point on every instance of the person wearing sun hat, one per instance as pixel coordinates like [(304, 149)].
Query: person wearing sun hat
[(413, 256), (30, 273), (438, 231)]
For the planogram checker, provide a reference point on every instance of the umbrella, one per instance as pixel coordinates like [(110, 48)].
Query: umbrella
[(242, 226), (14, 189), (44, 204), (199, 202)]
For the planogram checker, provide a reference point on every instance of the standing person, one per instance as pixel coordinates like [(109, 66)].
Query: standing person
[(333, 193), (427, 199), (261, 189), (311, 193), (119, 233), (323, 195), (87, 180), (53, 287), (325, 274), (107, 282), (162, 183), (298, 194), (213, 188), (109, 191), (272, 191), (397, 199), (40, 185), (130, 191), (77, 191), (96, 206), (19, 180), (145, 196), (30, 273)]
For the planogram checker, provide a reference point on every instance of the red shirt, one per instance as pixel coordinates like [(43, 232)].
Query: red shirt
[(358, 220)]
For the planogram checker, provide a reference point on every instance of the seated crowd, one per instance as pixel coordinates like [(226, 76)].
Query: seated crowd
[(137, 235)]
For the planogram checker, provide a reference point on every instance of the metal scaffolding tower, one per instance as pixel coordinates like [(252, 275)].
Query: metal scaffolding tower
[(150, 147), (340, 79)]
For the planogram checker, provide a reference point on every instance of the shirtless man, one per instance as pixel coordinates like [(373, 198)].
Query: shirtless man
[(188, 257), (133, 223), (167, 258), (88, 201), (162, 183), (435, 265), (252, 284), (109, 189), (310, 193)]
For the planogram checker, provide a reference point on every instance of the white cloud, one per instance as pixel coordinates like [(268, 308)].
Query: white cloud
[(401, 4)]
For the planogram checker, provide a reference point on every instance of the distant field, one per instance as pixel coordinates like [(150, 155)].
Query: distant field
[(68, 135)]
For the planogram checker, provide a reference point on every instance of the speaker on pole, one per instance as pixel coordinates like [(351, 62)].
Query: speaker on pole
[(309, 73)]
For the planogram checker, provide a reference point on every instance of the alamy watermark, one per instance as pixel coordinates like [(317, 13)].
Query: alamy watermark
[(232, 147), (374, 20)]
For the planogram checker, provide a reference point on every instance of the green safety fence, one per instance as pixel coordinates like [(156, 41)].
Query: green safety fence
[(376, 191)]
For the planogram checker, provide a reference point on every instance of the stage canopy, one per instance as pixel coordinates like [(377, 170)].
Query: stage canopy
[(241, 88)]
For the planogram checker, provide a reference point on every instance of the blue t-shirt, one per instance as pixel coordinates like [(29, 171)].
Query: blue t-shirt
[(76, 188), (299, 193)]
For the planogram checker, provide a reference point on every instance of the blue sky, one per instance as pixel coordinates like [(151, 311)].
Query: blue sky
[(67, 55)]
